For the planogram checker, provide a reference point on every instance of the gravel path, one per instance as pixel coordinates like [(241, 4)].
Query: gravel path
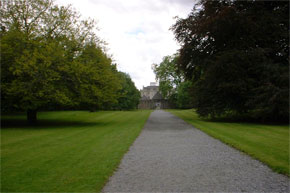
[(172, 156)]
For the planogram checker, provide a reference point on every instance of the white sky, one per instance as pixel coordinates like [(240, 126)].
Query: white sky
[(137, 31)]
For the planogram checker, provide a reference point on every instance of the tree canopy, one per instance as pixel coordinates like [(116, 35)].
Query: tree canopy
[(49, 56), (172, 84), (236, 54), (167, 75), (128, 95)]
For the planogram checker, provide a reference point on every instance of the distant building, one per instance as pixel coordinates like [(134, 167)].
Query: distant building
[(151, 98)]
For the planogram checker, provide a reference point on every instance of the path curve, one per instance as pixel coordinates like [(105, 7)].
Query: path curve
[(173, 156)]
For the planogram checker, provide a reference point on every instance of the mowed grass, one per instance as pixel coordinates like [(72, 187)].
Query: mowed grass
[(69, 151), (267, 143)]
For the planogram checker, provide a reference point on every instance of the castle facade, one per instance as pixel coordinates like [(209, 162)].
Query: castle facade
[(151, 98)]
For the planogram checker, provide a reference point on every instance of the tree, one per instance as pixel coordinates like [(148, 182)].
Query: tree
[(50, 56), (129, 95), (99, 83), (184, 96), (29, 79), (236, 55), (167, 75), (171, 82)]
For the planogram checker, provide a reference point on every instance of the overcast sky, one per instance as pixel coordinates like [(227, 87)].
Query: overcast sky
[(137, 31)]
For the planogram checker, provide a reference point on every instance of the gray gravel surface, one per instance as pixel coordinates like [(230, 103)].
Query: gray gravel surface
[(173, 156)]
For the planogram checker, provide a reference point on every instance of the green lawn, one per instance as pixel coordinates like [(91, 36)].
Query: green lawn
[(267, 143), (68, 151)]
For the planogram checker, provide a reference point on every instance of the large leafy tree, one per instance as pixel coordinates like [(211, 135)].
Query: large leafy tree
[(98, 84), (183, 96), (236, 53), (50, 56), (172, 84), (128, 95), (167, 74)]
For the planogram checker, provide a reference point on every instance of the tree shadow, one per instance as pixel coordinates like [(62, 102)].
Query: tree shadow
[(245, 120), (47, 124)]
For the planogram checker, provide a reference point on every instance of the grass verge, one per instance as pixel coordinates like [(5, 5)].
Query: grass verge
[(69, 151), (267, 143)]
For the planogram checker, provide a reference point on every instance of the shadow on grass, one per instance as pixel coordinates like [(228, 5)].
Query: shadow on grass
[(244, 121), (47, 124)]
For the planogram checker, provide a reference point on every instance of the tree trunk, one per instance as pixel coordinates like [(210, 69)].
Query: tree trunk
[(31, 116)]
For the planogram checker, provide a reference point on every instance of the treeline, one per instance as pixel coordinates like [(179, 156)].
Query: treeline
[(234, 59), (51, 58)]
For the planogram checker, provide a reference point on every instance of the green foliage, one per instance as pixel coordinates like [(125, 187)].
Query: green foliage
[(166, 73), (52, 58), (98, 82), (236, 55), (71, 151), (172, 84), (129, 95), (184, 96), (29, 72), (267, 143)]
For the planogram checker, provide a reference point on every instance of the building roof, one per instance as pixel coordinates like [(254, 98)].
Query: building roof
[(149, 87), (144, 97), (157, 96)]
